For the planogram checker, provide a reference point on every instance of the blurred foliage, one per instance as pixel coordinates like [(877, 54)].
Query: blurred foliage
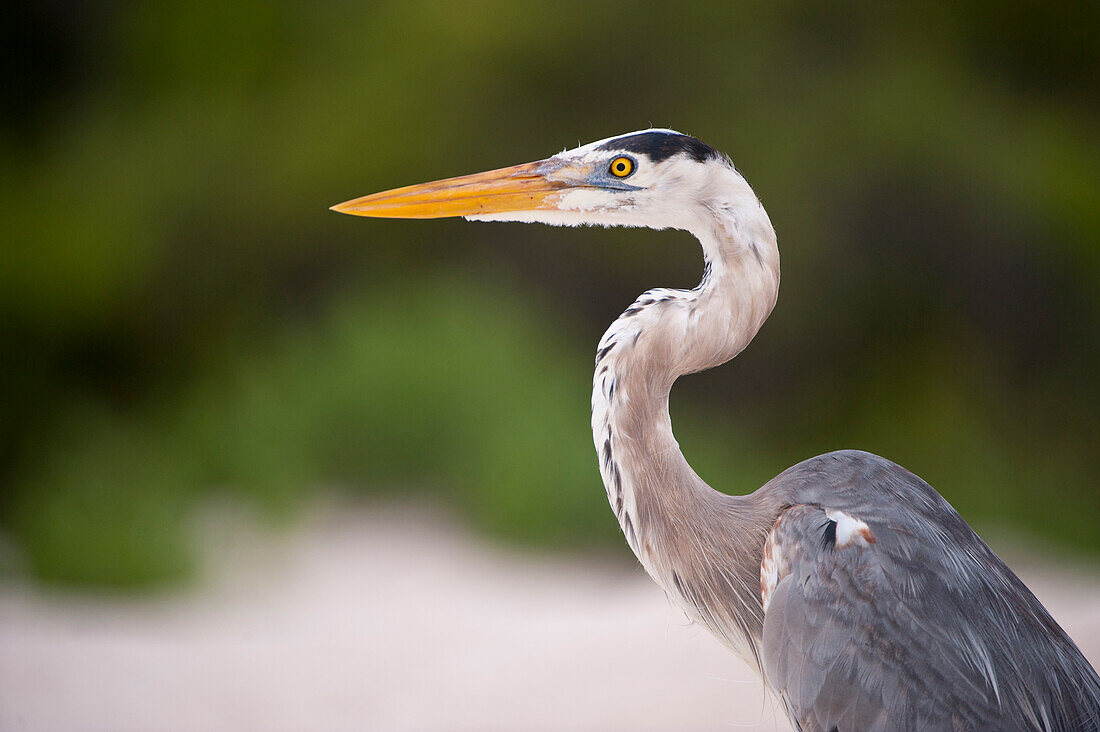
[(432, 393), (182, 316)]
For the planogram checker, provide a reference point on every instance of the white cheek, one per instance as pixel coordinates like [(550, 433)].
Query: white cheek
[(583, 200)]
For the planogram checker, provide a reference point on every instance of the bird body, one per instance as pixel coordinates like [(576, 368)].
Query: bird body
[(863, 598), (911, 622)]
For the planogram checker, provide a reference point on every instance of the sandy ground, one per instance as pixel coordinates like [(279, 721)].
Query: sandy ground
[(391, 618)]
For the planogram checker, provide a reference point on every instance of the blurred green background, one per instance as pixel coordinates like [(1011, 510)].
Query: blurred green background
[(183, 318)]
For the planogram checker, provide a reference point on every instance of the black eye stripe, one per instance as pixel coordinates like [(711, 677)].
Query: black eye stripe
[(659, 146)]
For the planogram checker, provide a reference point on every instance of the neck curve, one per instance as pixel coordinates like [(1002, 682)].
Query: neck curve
[(673, 521)]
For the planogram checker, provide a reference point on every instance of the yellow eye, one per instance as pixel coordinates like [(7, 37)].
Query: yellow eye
[(621, 167)]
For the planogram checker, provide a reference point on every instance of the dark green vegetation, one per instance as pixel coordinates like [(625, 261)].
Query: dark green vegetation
[(182, 317)]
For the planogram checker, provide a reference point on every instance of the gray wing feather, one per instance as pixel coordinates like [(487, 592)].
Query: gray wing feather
[(925, 628)]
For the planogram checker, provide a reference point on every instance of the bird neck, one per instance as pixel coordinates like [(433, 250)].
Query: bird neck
[(673, 521)]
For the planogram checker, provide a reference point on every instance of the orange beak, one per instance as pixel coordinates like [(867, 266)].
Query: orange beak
[(524, 187)]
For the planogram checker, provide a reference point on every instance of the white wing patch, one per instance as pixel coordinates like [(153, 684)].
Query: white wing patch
[(850, 530)]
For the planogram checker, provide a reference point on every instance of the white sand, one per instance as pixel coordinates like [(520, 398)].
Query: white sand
[(383, 618)]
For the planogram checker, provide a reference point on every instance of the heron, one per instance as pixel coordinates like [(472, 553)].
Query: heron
[(863, 599)]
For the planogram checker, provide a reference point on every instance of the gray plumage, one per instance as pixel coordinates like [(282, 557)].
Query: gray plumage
[(925, 629), (864, 599)]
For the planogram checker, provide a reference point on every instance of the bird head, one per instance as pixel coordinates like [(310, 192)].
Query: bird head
[(653, 178)]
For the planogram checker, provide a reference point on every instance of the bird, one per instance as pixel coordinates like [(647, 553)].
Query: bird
[(858, 593)]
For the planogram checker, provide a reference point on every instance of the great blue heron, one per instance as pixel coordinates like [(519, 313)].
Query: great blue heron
[(858, 592)]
